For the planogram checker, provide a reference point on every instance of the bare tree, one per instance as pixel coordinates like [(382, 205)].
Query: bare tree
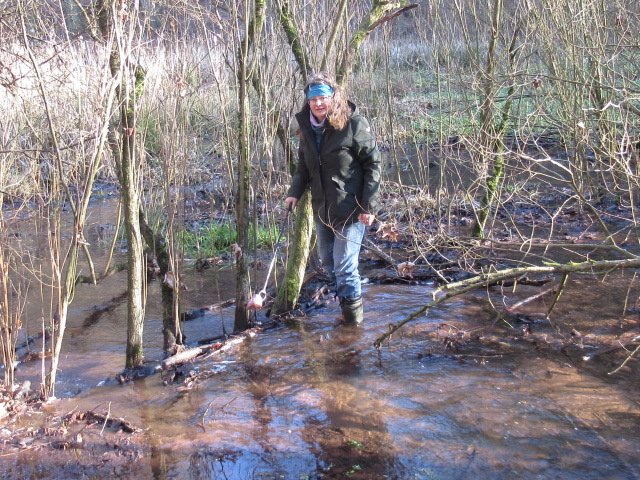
[(253, 16), (120, 26)]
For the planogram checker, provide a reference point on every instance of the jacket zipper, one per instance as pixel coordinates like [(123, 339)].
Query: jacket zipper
[(324, 191)]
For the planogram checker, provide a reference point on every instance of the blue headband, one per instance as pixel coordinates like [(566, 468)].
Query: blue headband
[(319, 90)]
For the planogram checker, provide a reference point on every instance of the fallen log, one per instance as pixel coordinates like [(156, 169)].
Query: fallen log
[(26, 353), (99, 310), (199, 312), (447, 291), (189, 354), (623, 342)]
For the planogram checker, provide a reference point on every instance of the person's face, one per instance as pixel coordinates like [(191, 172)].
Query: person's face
[(320, 107)]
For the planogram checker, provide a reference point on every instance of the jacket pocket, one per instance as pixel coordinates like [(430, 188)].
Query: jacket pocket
[(344, 202)]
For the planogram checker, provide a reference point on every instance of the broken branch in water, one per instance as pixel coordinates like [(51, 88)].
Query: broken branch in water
[(108, 421), (626, 360), (204, 351), (204, 415), (199, 312), (457, 288), (530, 299)]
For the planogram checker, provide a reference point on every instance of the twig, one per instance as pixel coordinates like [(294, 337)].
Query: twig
[(120, 422), (530, 299), (626, 360), (563, 284), (369, 245), (106, 419), (220, 408)]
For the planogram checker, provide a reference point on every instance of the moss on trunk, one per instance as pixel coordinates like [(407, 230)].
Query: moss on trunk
[(297, 260)]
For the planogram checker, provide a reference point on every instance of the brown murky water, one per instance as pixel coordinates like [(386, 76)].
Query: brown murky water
[(313, 399)]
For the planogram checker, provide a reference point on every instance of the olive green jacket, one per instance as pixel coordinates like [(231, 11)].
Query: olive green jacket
[(343, 174)]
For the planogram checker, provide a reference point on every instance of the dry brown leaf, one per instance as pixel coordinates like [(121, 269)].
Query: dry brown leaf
[(236, 251), (388, 231), (537, 82), (182, 86), (405, 269)]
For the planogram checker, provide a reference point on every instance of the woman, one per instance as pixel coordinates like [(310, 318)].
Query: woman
[(339, 161)]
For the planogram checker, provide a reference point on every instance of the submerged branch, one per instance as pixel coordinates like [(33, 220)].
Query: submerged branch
[(190, 354), (110, 422)]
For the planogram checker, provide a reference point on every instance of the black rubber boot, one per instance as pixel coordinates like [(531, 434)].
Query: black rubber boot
[(352, 310)]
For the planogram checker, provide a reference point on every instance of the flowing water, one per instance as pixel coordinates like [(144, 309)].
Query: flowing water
[(314, 399)]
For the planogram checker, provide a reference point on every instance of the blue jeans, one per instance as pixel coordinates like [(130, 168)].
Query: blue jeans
[(339, 250)]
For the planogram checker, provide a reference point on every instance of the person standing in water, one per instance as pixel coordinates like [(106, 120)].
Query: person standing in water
[(339, 161)]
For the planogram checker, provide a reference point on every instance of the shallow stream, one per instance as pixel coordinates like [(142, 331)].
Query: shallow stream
[(314, 399)]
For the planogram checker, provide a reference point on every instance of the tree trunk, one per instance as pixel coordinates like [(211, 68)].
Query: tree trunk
[(492, 131), (128, 169), (293, 37), (73, 17), (381, 11), (129, 183), (298, 258), (252, 30), (170, 299)]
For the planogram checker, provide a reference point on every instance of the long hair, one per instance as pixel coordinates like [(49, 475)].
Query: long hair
[(340, 112)]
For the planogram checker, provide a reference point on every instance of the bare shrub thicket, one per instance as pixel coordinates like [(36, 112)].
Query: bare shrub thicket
[(546, 91), (13, 296), (58, 104)]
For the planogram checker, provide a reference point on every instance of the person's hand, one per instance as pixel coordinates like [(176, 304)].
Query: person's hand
[(366, 218), (291, 202)]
